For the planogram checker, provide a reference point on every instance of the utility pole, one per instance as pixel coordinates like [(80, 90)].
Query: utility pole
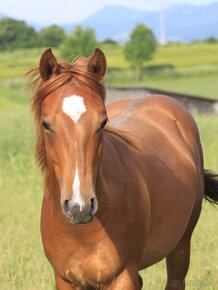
[(162, 26)]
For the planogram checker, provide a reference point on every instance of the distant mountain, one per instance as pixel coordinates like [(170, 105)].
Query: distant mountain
[(183, 22), (113, 21), (188, 22)]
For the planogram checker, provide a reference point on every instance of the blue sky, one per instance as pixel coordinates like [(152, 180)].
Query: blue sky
[(47, 12)]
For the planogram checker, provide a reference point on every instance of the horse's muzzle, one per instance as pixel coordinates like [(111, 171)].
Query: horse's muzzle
[(79, 214)]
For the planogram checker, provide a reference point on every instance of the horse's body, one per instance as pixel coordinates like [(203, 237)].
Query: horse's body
[(149, 187)]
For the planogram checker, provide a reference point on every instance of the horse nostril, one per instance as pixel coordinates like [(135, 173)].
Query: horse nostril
[(65, 205), (92, 203)]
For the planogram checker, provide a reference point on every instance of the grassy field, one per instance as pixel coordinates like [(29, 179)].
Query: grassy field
[(190, 57), (184, 68), (23, 265), (189, 69)]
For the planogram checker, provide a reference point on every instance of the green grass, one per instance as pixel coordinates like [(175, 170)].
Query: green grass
[(14, 65), (204, 86), (190, 57), (22, 262)]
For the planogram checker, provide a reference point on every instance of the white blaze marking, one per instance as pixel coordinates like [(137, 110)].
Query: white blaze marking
[(77, 198), (74, 107)]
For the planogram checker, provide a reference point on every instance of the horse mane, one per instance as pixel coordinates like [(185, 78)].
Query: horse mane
[(75, 73)]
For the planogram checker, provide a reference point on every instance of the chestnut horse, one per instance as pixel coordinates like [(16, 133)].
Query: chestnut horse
[(121, 197)]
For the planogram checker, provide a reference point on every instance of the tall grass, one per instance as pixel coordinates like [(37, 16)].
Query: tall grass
[(22, 262)]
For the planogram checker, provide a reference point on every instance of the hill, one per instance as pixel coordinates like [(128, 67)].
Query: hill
[(183, 22)]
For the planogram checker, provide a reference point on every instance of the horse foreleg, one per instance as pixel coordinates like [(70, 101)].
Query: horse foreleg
[(127, 280)]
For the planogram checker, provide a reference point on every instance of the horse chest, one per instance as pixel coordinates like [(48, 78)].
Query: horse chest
[(92, 267)]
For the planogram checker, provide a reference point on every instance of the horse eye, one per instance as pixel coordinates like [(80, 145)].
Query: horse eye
[(46, 126), (103, 124)]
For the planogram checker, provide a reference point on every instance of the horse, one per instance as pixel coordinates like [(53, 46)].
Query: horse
[(123, 183)]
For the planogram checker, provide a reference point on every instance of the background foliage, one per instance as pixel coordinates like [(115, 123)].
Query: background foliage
[(51, 36), (16, 34), (140, 47), (79, 42)]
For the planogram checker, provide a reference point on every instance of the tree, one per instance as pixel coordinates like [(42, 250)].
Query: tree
[(16, 34), (140, 47), (110, 41), (80, 42), (51, 36), (211, 40)]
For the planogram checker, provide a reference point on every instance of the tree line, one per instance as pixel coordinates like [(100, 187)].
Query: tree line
[(17, 34)]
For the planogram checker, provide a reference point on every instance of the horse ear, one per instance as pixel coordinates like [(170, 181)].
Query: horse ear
[(97, 63), (48, 65)]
